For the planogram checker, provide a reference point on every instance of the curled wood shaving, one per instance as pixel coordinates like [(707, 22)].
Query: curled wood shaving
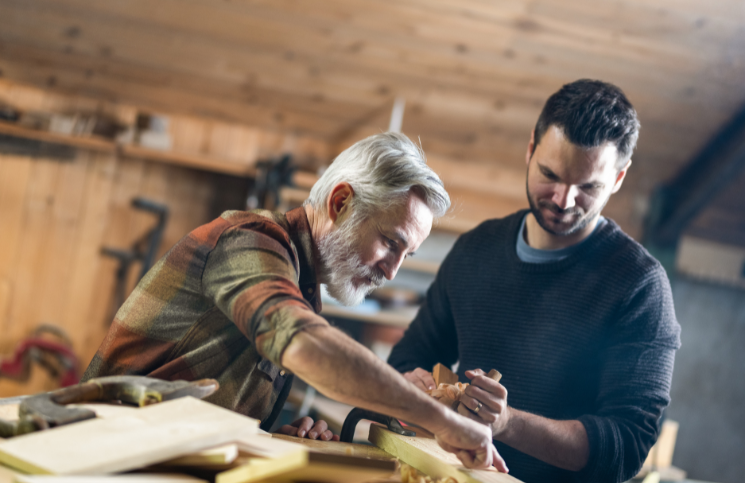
[(411, 475), (449, 394)]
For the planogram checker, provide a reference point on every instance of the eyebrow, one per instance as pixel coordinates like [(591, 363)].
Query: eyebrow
[(547, 171)]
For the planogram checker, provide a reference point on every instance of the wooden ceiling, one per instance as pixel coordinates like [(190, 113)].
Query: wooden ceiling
[(474, 73)]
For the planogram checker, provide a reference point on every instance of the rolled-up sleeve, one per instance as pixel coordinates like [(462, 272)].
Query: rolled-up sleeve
[(635, 383), (252, 277)]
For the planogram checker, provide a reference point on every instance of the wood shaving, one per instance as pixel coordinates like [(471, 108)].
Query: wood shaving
[(411, 475), (449, 394)]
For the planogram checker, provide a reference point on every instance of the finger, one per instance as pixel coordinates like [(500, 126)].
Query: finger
[(318, 429), (303, 426), (499, 463), (335, 438), (489, 385), (466, 458), (288, 430), (446, 446), (426, 378), (479, 409), (475, 394), (419, 383), (464, 411), (326, 435), (474, 372)]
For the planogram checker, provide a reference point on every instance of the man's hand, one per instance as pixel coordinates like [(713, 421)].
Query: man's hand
[(471, 443), (304, 428), (422, 379), (487, 401)]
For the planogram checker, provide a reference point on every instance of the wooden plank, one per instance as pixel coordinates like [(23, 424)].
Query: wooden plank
[(326, 468), (220, 456), (132, 478), (82, 285), (97, 144), (250, 466), (5, 298), (37, 218), (197, 161), (7, 475), (335, 447), (61, 236), (424, 454), (150, 435)]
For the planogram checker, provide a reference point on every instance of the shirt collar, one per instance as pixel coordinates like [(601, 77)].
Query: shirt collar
[(307, 252)]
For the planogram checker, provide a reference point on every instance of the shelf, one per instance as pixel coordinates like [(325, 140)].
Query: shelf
[(196, 161), (391, 318), (87, 142), (189, 160)]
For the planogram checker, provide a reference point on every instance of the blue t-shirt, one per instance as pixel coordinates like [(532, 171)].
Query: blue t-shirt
[(528, 254)]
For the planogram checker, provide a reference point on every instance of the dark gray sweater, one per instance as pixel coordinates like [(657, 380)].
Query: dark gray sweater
[(591, 337)]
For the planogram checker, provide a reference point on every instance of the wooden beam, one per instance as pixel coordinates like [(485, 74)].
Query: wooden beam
[(676, 203)]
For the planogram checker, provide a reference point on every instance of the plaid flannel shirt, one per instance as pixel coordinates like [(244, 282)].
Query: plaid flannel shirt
[(223, 303)]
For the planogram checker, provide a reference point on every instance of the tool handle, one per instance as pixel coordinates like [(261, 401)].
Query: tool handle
[(494, 374)]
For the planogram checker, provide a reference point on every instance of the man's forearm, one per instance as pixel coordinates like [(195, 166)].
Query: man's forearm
[(344, 370), (559, 443)]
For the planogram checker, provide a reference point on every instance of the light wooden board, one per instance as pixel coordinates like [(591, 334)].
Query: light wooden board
[(220, 456), (325, 468), (425, 455), (7, 475), (150, 435), (134, 478), (336, 447)]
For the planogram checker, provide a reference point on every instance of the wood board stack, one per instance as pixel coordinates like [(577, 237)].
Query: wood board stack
[(184, 440)]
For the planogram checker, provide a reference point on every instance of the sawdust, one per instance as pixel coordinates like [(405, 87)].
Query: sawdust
[(411, 475)]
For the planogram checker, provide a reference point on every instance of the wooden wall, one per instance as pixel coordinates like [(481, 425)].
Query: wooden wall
[(56, 216)]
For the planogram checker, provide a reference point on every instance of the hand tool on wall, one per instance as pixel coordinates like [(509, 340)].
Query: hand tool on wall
[(270, 177), (53, 353), (48, 410), (144, 250)]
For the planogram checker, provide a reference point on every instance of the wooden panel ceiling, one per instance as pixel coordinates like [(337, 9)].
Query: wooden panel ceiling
[(474, 73)]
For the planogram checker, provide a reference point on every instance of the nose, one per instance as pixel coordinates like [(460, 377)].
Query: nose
[(564, 196), (391, 264)]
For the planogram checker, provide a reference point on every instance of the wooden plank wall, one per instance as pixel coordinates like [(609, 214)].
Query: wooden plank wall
[(55, 217)]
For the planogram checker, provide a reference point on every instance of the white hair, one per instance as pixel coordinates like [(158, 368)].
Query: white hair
[(382, 169)]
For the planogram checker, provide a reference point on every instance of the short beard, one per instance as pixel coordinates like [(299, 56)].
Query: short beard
[(340, 264), (580, 224)]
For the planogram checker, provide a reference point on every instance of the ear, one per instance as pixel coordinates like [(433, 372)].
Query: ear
[(339, 201), (531, 147), (620, 177)]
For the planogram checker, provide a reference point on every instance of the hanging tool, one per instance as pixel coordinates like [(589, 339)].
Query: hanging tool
[(54, 355), (271, 176), (143, 250)]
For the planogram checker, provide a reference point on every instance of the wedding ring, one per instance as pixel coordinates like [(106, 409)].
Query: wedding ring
[(478, 407)]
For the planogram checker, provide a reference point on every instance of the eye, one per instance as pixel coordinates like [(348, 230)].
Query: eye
[(591, 188), (390, 243)]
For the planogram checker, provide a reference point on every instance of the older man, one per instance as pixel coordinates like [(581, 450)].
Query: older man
[(577, 316), (238, 299)]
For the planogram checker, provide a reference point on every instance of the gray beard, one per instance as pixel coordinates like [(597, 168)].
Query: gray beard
[(340, 264)]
